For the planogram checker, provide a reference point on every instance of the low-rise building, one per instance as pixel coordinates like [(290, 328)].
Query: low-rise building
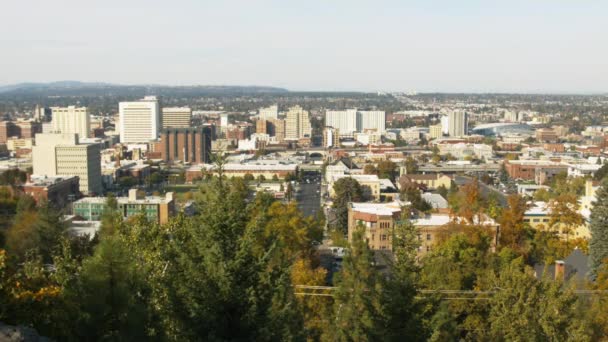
[(266, 168), (430, 180), (58, 191), (540, 171), (155, 208)]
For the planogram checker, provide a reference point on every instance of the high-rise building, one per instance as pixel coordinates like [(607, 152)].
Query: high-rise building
[(276, 128), (351, 121), (190, 145), (139, 120), (297, 124), (344, 121), (7, 129), (176, 117), (223, 120), (375, 119), (58, 154), (42, 114), (511, 116), (261, 126), (71, 120), (271, 112), (331, 137), (435, 131), (28, 129), (457, 123)]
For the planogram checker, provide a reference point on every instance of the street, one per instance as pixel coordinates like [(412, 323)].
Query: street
[(308, 196)]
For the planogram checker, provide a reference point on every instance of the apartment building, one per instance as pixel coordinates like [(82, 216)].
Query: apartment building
[(140, 120), (71, 120)]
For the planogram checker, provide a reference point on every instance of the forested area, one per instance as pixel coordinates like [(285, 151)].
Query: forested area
[(248, 270)]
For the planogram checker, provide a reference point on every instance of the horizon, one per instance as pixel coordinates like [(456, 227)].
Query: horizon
[(545, 47)]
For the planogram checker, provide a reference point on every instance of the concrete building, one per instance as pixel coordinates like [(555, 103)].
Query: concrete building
[(190, 145), (176, 117), (271, 112), (331, 137), (429, 181), (458, 124), (512, 116), (546, 135), (540, 171), (57, 154), (435, 131), (140, 120), (297, 124), (224, 120), (71, 120), (465, 151), (155, 208), (266, 168), (276, 128), (351, 121)]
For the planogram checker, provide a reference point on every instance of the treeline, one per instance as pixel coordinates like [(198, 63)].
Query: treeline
[(247, 270)]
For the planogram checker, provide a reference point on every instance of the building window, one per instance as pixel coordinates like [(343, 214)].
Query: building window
[(373, 237), (428, 237), (419, 237), (428, 248), (383, 237), (536, 220)]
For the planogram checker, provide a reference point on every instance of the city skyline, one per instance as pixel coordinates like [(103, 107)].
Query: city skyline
[(438, 46)]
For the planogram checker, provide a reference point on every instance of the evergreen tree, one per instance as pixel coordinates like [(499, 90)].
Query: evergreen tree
[(346, 190), (402, 314), (598, 225), (357, 309)]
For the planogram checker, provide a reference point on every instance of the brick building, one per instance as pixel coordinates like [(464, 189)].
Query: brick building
[(192, 145), (540, 171), (58, 191)]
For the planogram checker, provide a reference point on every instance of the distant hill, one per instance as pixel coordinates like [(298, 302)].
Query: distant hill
[(76, 88)]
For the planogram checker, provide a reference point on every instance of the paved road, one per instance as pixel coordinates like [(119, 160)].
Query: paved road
[(309, 198), (484, 188)]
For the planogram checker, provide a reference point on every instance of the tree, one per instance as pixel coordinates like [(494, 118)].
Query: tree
[(370, 169), (111, 295), (411, 166), (387, 169), (356, 306), (346, 190), (314, 309), (598, 225), (401, 312), (127, 182), (526, 309), (601, 173), (512, 228), (564, 215)]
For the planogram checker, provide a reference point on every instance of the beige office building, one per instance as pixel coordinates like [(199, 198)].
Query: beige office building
[(58, 154), (435, 131), (297, 124), (71, 120), (177, 117)]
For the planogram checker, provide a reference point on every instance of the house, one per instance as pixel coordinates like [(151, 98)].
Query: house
[(575, 267)]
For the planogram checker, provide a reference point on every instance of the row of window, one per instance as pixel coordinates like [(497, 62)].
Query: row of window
[(536, 220)]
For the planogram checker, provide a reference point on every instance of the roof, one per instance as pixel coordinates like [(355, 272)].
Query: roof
[(383, 209), (435, 200)]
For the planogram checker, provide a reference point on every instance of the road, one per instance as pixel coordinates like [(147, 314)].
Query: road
[(309, 197), (484, 189)]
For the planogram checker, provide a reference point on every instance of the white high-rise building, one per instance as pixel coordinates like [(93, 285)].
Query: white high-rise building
[(58, 154), (223, 120), (457, 124), (297, 124), (71, 120), (140, 120), (345, 121), (375, 119), (445, 124), (511, 116), (268, 113), (351, 121), (177, 117)]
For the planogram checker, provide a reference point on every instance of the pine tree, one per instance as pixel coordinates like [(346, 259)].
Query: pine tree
[(598, 245), (356, 308), (347, 190)]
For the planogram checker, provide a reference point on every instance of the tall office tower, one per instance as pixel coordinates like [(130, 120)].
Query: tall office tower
[(177, 117), (331, 137), (297, 124), (191, 145), (58, 154), (375, 119), (435, 131), (139, 120), (344, 121), (71, 120), (28, 129), (267, 113), (276, 128), (261, 126), (457, 123)]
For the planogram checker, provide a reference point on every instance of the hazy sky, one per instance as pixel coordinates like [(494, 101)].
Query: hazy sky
[(431, 45)]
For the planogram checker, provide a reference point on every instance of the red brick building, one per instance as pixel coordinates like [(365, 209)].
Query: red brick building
[(192, 145)]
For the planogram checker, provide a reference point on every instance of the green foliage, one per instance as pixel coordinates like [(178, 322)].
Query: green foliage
[(13, 177), (346, 190), (356, 305), (598, 225), (411, 166)]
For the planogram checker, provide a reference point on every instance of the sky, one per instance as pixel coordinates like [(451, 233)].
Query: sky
[(533, 46)]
